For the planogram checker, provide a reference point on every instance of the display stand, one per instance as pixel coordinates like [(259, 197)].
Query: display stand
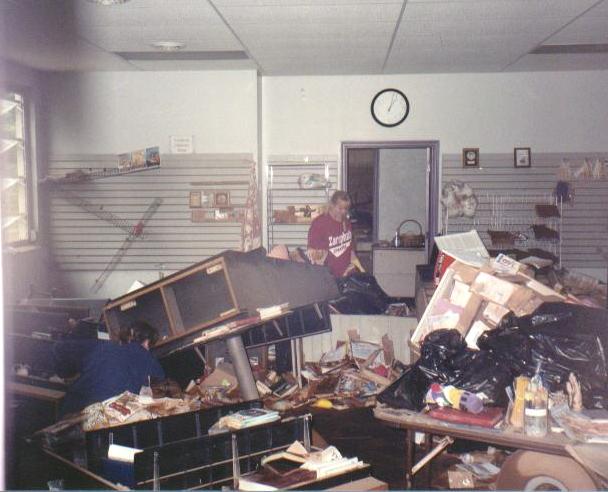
[(524, 221), (284, 192)]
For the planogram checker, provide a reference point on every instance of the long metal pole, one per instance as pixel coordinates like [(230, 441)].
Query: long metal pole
[(238, 354)]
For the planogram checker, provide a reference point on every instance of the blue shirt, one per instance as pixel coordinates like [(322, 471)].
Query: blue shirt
[(108, 370)]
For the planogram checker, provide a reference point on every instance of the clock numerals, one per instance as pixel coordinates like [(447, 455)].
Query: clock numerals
[(390, 107)]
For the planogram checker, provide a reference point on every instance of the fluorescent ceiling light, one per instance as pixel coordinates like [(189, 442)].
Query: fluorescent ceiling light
[(108, 2), (182, 55), (554, 49), (168, 45)]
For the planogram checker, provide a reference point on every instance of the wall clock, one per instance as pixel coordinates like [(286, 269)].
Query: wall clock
[(390, 107)]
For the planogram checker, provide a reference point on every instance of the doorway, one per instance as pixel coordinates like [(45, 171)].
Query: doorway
[(390, 182)]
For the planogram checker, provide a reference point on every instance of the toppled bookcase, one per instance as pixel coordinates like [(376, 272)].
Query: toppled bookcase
[(178, 452), (231, 286), (226, 286)]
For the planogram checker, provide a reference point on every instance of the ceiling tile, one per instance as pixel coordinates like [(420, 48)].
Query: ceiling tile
[(142, 13), (312, 14), (296, 3), (298, 33), (591, 28), (307, 36), (487, 34), (41, 35), (116, 38)]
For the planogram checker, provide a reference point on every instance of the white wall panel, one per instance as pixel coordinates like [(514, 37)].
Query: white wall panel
[(584, 228), (82, 242)]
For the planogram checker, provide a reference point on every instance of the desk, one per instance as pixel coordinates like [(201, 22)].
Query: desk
[(37, 393), (416, 422)]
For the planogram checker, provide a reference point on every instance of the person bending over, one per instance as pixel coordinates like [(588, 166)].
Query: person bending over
[(111, 368)]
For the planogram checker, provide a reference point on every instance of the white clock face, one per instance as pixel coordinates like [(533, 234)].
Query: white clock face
[(390, 107)]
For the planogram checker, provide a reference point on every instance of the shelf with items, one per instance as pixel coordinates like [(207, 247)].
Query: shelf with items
[(526, 221), (297, 193)]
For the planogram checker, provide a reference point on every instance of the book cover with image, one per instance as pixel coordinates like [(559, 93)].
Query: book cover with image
[(152, 157)]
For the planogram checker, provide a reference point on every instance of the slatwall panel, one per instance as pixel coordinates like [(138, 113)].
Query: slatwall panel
[(82, 241), (584, 226), (285, 191)]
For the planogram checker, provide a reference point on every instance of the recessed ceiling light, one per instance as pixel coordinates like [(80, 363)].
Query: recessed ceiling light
[(108, 2), (168, 45)]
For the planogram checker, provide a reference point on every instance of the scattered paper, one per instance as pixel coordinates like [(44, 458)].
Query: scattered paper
[(466, 247)]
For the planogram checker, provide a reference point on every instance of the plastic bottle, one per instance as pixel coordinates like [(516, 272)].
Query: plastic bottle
[(536, 401), (396, 240)]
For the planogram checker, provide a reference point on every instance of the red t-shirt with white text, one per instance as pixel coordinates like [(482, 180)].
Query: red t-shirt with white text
[(335, 237)]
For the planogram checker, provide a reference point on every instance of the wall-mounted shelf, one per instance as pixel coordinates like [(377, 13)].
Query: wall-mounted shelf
[(515, 221), (286, 201)]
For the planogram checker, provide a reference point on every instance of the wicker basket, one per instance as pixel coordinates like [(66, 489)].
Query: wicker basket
[(411, 239), (502, 238)]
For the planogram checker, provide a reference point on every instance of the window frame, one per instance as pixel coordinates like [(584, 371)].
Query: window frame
[(31, 167)]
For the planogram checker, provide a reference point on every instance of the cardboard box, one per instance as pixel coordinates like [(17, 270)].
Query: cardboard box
[(480, 297)]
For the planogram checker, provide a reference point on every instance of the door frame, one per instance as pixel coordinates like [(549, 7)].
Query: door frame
[(432, 192)]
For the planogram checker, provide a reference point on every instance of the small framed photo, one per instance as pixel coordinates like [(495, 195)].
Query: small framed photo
[(195, 199), (221, 199), (522, 157), (470, 157), (152, 157), (124, 161), (138, 158)]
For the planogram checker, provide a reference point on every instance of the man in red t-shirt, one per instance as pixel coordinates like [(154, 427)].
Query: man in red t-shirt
[(330, 237)]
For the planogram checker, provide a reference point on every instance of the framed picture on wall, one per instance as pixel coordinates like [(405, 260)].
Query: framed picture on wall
[(195, 199), (221, 199), (522, 157), (470, 157)]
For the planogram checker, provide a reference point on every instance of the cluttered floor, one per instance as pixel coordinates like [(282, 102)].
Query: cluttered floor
[(495, 348), (355, 432)]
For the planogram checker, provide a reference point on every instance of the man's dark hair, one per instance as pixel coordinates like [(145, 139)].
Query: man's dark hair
[(124, 334), (142, 331), (340, 195)]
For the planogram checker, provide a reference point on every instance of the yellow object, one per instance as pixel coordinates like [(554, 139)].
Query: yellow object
[(323, 403), (357, 263), (517, 414), (453, 395)]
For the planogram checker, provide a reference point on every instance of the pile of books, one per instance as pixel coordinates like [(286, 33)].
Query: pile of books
[(248, 418)]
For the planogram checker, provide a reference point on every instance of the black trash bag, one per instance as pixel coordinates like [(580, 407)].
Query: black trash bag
[(361, 294), (446, 359), (410, 389), (437, 350), (480, 372), (564, 338), (406, 392)]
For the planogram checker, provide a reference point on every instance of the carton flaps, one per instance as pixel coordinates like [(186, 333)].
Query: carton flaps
[(481, 296), (465, 247)]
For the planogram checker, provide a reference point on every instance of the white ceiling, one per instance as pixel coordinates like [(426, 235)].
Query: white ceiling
[(300, 37)]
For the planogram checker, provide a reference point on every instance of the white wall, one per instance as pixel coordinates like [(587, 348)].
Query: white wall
[(546, 111), (114, 112)]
